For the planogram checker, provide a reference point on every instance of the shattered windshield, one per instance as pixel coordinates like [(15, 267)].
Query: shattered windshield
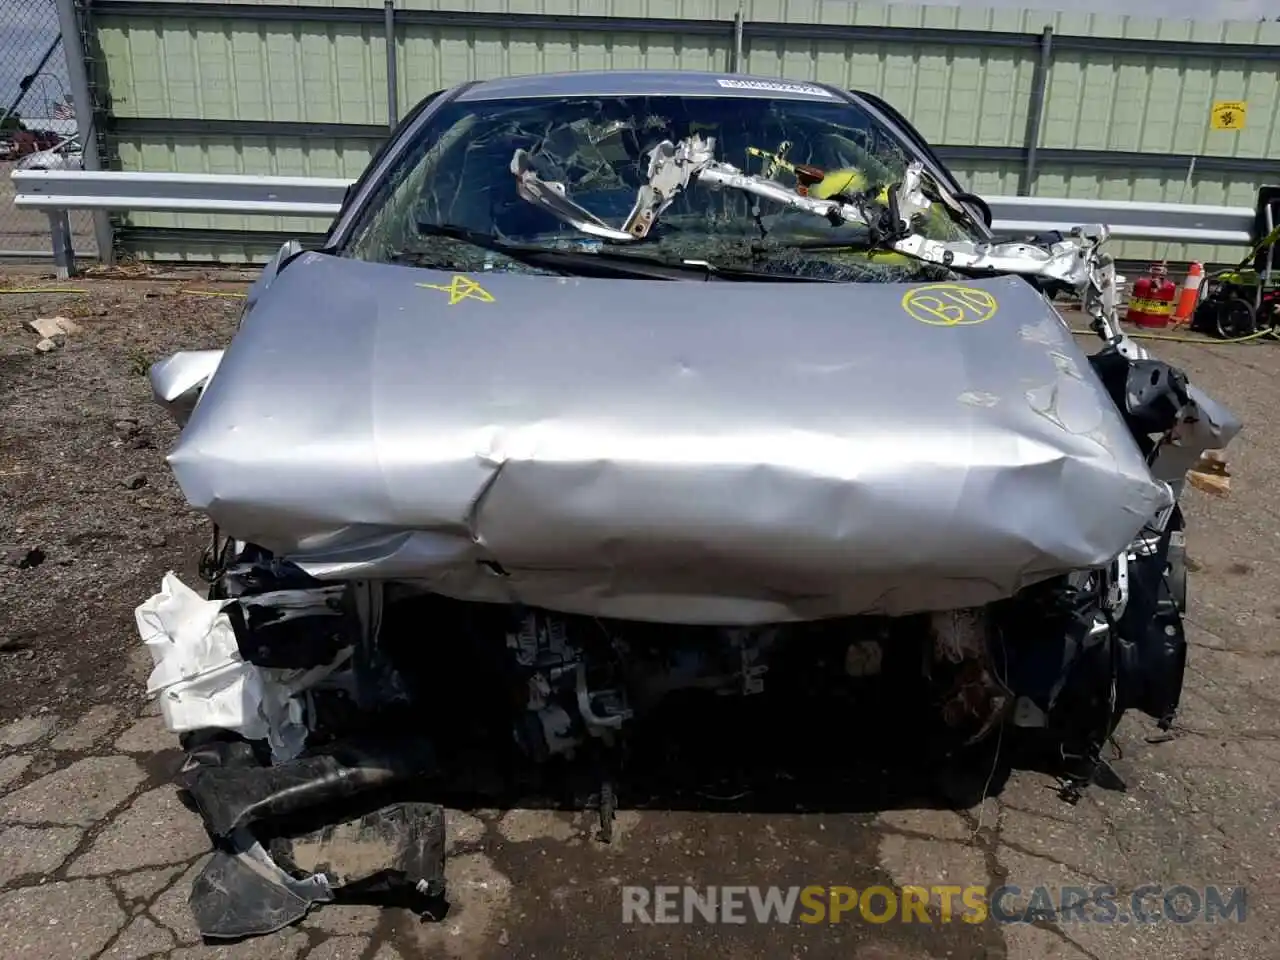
[(487, 185)]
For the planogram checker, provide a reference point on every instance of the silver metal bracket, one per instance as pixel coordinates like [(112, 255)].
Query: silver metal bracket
[(1075, 260)]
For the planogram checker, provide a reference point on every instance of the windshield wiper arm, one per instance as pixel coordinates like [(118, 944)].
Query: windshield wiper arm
[(553, 258), (485, 241), (597, 262), (649, 267), (534, 255)]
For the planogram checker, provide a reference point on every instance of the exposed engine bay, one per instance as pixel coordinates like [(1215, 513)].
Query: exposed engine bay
[(580, 680), (286, 699), (503, 540)]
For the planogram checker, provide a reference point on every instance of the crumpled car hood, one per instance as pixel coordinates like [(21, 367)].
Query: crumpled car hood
[(681, 452)]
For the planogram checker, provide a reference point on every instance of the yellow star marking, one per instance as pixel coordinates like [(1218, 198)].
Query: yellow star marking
[(461, 288)]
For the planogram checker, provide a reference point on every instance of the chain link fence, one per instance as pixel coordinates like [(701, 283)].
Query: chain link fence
[(37, 123)]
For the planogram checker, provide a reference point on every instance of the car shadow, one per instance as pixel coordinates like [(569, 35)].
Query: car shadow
[(750, 755)]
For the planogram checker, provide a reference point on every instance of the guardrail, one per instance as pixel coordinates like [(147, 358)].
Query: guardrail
[(53, 190), (1128, 219), (57, 191)]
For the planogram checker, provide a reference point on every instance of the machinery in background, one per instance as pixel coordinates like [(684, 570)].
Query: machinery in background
[(1245, 299)]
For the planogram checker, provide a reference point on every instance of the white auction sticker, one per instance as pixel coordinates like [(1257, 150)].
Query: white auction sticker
[(776, 86)]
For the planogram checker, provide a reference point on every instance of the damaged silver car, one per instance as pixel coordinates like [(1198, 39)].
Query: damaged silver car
[(606, 387)]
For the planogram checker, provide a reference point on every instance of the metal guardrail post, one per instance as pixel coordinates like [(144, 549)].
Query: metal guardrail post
[(393, 86), (64, 258), (78, 75), (1269, 224), (1035, 112), (736, 65)]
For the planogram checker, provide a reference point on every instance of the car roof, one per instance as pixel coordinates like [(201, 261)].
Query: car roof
[(669, 83)]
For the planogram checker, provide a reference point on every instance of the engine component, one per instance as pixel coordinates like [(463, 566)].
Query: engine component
[(562, 708), (585, 679), (975, 699), (863, 658), (294, 629), (247, 570)]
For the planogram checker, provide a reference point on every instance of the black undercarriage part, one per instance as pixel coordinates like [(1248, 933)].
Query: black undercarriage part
[(242, 892), (294, 629), (233, 797), (247, 889), (1152, 642), (310, 831), (401, 845)]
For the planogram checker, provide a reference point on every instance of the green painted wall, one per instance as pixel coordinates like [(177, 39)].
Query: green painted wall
[(335, 72)]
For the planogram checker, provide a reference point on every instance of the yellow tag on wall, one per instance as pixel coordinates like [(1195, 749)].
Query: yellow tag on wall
[(1228, 114)]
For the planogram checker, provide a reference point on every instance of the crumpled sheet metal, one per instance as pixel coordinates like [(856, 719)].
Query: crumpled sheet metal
[(178, 380), (728, 453)]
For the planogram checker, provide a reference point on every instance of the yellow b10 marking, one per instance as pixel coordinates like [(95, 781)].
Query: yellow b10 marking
[(949, 305)]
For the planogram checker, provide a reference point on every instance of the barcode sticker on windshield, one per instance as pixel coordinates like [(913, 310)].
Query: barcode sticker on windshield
[(776, 87)]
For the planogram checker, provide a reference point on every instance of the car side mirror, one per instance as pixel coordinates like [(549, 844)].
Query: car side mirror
[(976, 201)]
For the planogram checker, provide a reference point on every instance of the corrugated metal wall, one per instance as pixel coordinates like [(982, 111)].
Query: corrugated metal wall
[(259, 95)]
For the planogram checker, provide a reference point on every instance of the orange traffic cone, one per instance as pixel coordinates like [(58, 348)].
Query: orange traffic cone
[(1190, 294)]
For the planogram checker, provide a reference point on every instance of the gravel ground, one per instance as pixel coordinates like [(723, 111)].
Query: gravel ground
[(83, 483), (97, 854)]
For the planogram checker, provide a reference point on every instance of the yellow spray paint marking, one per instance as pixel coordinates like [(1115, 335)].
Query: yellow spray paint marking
[(461, 288), (949, 305)]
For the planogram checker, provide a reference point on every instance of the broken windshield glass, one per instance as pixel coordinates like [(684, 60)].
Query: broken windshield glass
[(594, 156)]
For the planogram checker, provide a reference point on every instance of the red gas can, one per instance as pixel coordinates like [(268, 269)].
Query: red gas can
[(1151, 304)]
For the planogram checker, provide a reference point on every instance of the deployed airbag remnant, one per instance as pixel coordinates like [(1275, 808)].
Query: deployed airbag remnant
[(199, 675)]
